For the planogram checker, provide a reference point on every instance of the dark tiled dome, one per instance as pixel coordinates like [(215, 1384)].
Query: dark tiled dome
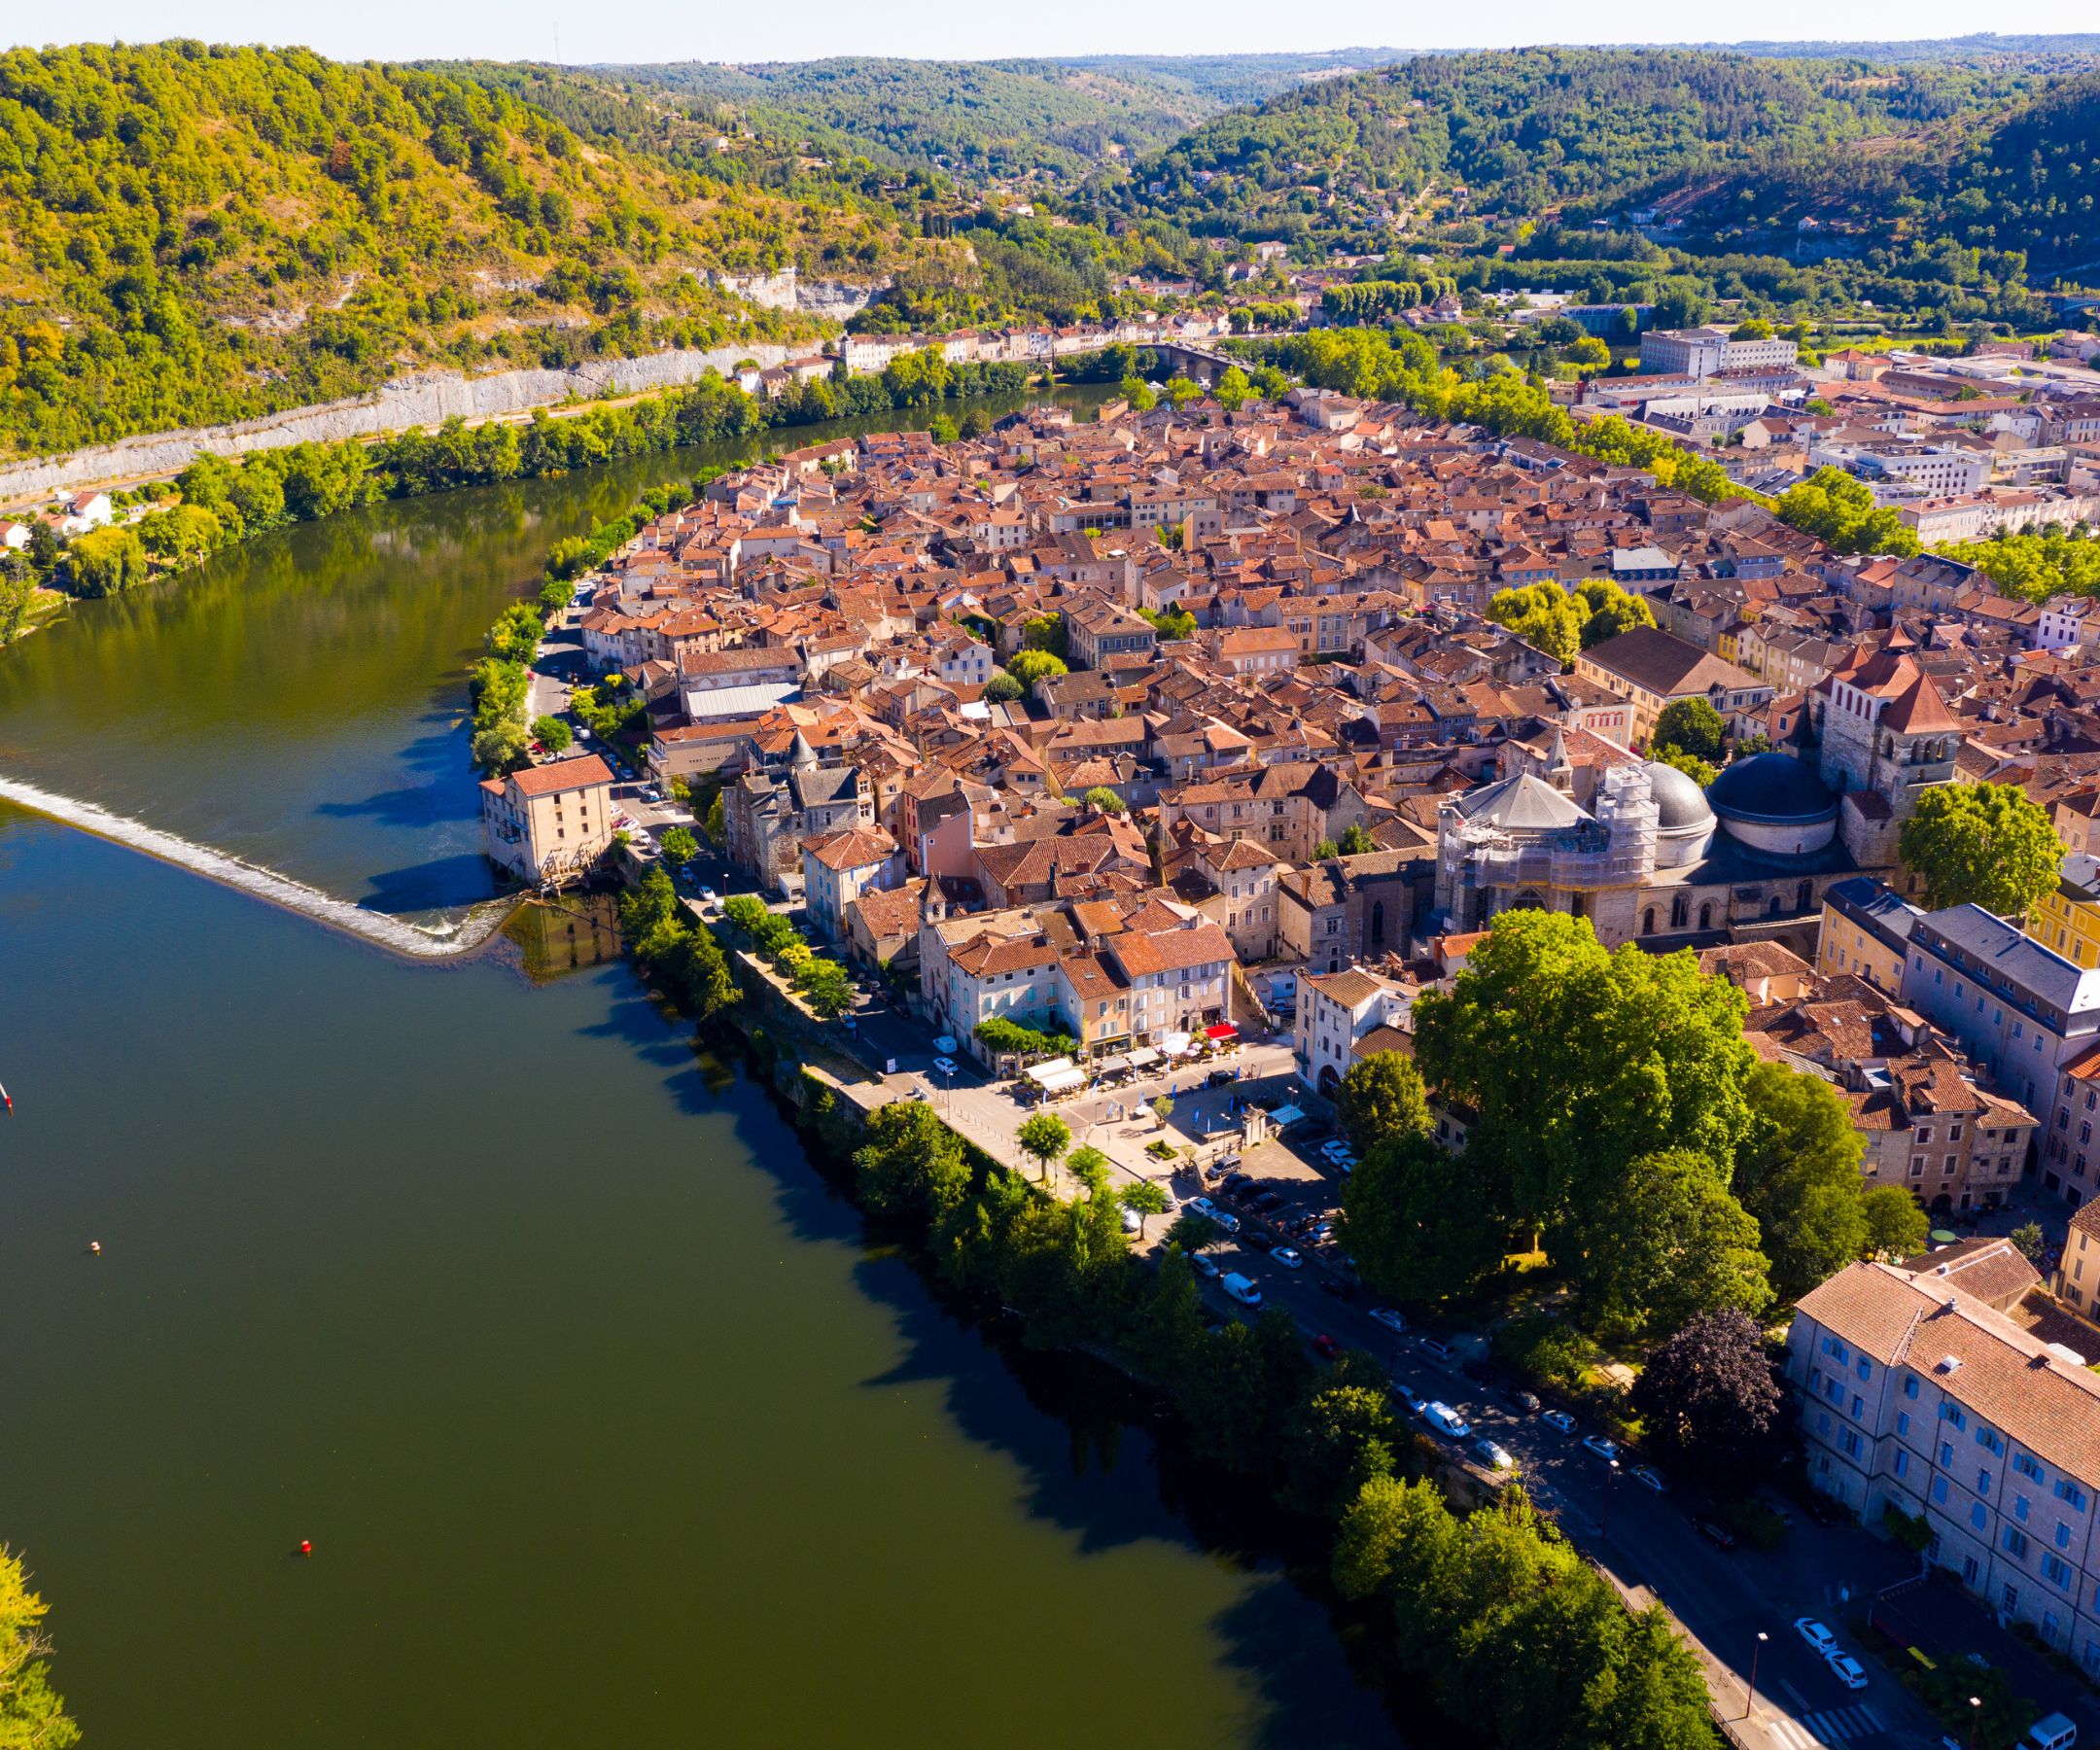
[(1679, 801), (1771, 787)]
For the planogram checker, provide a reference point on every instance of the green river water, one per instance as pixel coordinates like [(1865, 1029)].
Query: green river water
[(608, 1425)]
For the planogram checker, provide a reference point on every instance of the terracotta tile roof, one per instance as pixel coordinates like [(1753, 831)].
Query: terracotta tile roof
[(1999, 1371), (561, 775)]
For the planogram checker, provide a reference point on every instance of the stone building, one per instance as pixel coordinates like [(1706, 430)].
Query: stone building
[(769, 811)]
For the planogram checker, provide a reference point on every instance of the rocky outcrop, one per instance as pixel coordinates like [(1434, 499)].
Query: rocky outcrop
[(786, 289), (427, 398)]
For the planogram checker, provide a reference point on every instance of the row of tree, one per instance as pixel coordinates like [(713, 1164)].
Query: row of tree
[(822, 982), (1499, 1593)]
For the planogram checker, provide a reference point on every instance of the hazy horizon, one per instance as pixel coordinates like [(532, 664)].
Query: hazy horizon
[(652, 31)]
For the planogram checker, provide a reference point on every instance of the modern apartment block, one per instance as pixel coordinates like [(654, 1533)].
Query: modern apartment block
[(1919, 1395)]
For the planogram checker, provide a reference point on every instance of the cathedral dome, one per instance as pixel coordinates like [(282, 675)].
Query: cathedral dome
[(1680, 804), (1776, 803)]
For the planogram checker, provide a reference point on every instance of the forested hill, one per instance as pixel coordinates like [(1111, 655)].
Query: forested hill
[(986, 119), (1519, 131), (191, 233)]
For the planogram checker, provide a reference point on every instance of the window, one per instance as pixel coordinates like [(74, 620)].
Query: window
[(1939, 1490), (1864, 1368), (1947, 1454), (2057, 1571), (1955, 1414), (1903, 1422), (1911, 1386), (1983, 1482), (1901, 1463), (1988, 1437), (2071, 1494), (1977, 1516), (2020, 1508), (2063, 1535), (2027, 1465), (2015, 1543)]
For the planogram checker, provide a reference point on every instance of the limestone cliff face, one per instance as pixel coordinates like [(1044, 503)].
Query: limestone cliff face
[(424, 400), (786, 289)]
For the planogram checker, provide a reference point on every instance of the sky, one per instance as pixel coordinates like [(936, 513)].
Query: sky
[(662, 30)]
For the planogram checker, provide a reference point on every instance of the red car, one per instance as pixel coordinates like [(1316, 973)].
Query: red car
[(1325, 1346)]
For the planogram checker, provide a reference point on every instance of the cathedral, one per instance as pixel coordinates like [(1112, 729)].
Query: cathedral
[(1645, 853)]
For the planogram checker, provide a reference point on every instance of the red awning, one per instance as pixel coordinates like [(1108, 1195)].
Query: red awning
[(1224, 1030)]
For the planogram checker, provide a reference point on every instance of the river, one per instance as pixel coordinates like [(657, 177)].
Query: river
[(608, 1421)]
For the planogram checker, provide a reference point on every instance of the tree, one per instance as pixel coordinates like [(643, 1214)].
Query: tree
[(1578, 1061), (1692, 727), (1145, 1199), (1798, 1173), (1418, 1220), (32, 1714), (1612, 610), (1357, 840), (1981, 844), (181, 536), (1711, 1400), (717, 825), (1589, 353), (1234, 389), (551, 734), (912, 1162), (1044, 1136), (2027, 1240), (1341, 1436), (680, 847), (500, 748), (105, 562), (1103, 800), (1755, 328), (1031, 666), (18, 590), (1382, 1098), (1091, 1168), (1544, 615), (1139, 393), (1162, 1109), (1325, 849), (1690, 764), (1001, 689), (1673, 1243)]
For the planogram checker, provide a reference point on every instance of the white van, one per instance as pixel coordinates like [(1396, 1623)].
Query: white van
[(1446, 1420), (1241, 1289), (2055, 1733)]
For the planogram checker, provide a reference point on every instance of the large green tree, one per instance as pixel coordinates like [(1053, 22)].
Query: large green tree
[(1578, 1061), (912, 1163), (1544, 615), (1691, 726), (1044, 1136), (1896, 1226), (1710, 1399), (1382, 1098), (1798, 1173), (1613, 610), (1418, 1220), (1671, 1244), (1981, 844)]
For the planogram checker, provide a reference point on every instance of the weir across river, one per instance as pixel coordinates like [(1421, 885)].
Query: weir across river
[(451, 940)]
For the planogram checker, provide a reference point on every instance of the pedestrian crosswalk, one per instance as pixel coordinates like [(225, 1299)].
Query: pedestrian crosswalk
[(1834, 1727)]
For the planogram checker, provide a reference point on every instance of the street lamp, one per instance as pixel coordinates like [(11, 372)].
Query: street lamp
[(1750, 1697), (1604, 1518), (1976, 1718)]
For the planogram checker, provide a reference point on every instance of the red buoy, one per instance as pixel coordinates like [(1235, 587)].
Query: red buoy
[(305, 1546)]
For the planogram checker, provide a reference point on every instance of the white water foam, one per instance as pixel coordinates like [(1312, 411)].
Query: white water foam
[(442, 941)]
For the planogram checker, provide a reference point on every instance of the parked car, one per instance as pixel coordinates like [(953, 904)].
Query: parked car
[(1325, 1346), (1606, 1449), (1336, 1287), (1407, 1395), (1391, 1318), (1335, 1147), (1289, 1257), (1560, 1420), (1254, 1240), (1526, 1401), (1716, 1533), (1816, 1635), (1131, 1222), (1649, 1478), (1203, 1205), (1205, 1266), (1848, 1670), (1493, 1455), (1240, 1288), (2054, 1731), (1221, 1078), (1436, 1348), (946, 1066), (1444, 1419), (1267, 1201)]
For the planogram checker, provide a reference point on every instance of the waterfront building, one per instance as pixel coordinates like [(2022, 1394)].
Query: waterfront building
[(550, 823)]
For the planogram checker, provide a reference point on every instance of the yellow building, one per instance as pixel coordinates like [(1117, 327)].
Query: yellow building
[(2069, 919), (1866, 932), (550, 822)]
